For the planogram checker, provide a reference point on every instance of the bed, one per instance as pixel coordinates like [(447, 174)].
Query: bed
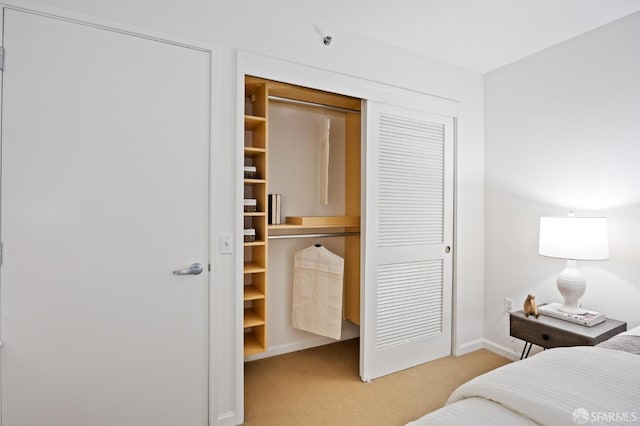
[(561, 386)]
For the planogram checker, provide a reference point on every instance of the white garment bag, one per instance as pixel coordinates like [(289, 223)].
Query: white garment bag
[(317, 291)]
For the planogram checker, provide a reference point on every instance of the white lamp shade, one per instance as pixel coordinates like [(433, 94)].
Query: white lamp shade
[(576, 238)]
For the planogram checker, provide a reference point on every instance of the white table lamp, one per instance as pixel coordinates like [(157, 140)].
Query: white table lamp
[(573, 238)]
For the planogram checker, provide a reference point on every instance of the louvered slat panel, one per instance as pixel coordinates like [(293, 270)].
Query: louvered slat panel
[(409, 302), (411, 179)]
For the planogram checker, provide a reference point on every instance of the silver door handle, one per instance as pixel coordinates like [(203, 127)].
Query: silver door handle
[(194, 269)]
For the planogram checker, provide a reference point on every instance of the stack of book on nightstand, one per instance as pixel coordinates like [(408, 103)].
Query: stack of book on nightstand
[(589, 318)]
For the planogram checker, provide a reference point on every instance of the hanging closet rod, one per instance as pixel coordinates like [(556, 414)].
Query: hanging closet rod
[(332, 234), (314, 104)]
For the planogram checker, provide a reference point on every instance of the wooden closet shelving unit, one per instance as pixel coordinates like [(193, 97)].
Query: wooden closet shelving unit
[(256, 150), (255, 252)]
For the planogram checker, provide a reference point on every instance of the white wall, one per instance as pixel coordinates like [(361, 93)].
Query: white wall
[(254, 26), (563, 133)]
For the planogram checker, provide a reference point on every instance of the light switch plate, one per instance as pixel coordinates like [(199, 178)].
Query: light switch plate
[(225, 243)]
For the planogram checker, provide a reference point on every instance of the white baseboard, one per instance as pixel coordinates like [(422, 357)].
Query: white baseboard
[(469, 347), (305, 344), (227, 419), (501, 350)]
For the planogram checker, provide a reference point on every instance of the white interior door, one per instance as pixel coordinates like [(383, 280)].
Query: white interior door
[(406, 294), (105, 164)]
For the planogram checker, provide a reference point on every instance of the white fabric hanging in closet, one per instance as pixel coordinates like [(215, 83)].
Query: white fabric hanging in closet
[(324, 163), (317, 291)]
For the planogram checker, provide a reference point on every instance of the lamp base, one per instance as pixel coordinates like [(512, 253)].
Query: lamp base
[(572, 284)]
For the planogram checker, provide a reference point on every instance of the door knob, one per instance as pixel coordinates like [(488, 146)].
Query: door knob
[(194, 269)]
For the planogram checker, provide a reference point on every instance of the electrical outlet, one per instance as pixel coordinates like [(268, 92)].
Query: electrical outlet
[(508, 304)]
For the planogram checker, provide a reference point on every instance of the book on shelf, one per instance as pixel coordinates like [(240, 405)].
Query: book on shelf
[(274, 209), (588, 318)]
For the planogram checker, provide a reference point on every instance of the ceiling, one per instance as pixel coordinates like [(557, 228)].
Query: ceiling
[(478, 35)]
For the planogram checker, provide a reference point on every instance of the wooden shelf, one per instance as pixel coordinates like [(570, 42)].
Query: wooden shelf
[(254, 181), (286, 227), (254, 243), (251, 319), (253, 151), (318, 222), (251, 345), (254, 214), (251, 122), (252, 293), (289, 91), (252, 268), (323, 221)]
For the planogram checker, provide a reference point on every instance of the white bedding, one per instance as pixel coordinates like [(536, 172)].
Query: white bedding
[(474, 411), (550, 389)]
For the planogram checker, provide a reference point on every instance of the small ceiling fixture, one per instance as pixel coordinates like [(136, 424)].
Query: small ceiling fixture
[(326, 39)]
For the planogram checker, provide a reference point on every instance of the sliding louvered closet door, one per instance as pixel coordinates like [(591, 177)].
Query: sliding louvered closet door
[(409, 228)]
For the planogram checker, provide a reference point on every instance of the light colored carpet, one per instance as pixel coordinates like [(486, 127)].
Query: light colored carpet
[(321, 386)]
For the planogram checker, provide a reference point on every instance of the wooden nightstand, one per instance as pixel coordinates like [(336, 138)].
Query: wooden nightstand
[(551, 332)]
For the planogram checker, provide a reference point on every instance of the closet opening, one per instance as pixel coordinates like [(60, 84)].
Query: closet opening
[(302, 191), (395, 238)]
